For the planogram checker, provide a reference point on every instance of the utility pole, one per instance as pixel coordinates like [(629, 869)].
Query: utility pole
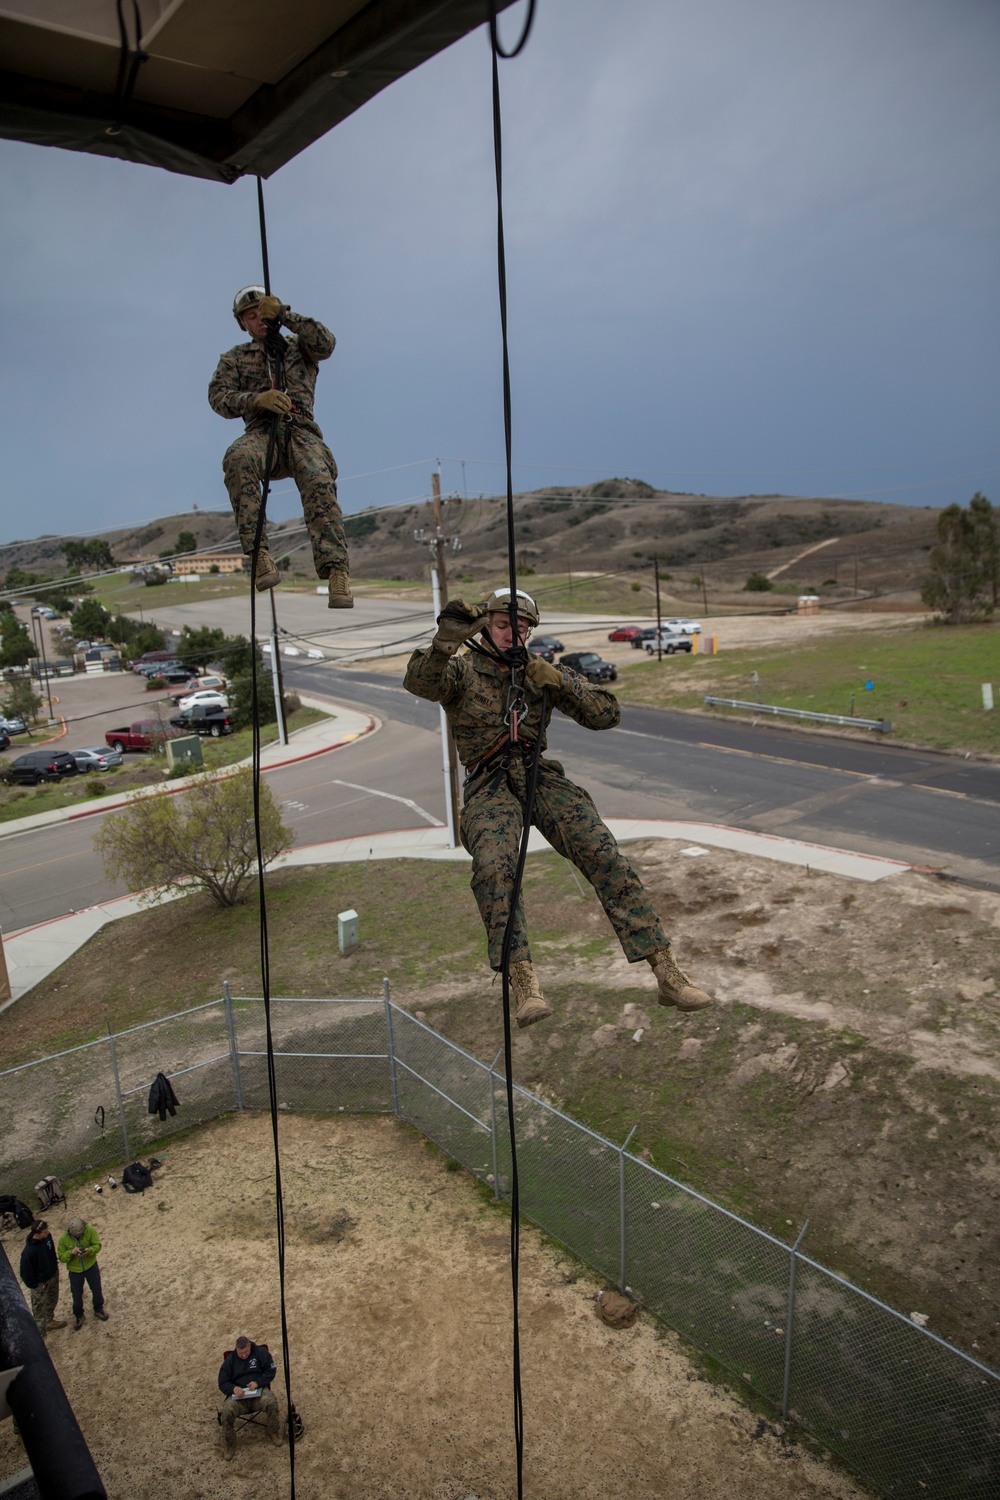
[(438, 543), (276, 678), (40, 643), (659, 642)]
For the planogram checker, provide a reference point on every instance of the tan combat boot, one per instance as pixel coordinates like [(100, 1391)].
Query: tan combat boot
[(531, 1005), (339, 585), (266, 575), (673, 984)]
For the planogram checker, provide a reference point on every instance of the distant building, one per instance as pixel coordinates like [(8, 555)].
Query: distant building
[(204, 562)]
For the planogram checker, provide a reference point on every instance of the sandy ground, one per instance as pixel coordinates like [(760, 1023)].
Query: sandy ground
[(399, 1330)]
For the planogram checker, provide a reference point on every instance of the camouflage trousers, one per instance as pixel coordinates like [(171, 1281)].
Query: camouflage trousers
[(299, 454), (43, 1302), (492, 820), (266, 1403)]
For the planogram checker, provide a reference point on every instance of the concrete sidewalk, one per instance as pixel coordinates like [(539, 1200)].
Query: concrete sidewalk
[(34, 952)]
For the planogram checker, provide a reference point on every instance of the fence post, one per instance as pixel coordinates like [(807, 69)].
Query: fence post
[(789, 1321), (391, 1046), (234, 1056), (493, 1130), (118, 1092), (621, 1201)]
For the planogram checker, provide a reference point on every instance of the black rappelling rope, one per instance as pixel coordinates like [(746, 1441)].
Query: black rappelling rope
[(274, 345), (517, 660)]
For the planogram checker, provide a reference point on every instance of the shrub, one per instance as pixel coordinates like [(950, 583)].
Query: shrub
[(758, 583)]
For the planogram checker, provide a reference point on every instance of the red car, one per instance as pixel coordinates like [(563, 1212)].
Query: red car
[(625, 633)]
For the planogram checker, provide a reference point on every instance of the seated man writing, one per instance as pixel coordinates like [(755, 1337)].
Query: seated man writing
[(244, 1380)]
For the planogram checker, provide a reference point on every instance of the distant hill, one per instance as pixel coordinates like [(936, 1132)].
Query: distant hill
[(617, 525), (621, 524)]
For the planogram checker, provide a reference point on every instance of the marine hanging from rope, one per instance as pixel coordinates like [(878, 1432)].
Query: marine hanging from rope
[(271, 384), (499, 710)]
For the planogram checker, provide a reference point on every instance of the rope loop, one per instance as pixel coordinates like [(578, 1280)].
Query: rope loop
[(495, 31)]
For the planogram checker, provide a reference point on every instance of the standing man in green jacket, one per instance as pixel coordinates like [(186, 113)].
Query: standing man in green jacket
[(78, 1249), (246, 384), (478, 696)]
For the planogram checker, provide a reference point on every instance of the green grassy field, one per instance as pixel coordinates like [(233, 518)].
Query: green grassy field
[(926, 681)]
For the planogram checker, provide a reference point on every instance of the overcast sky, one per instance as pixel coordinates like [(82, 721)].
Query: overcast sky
[(752, 245)]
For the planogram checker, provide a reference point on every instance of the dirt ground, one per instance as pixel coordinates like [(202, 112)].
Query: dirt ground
[(398, 1297)]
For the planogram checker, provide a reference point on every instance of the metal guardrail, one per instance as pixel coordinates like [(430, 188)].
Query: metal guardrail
[(848, 720)]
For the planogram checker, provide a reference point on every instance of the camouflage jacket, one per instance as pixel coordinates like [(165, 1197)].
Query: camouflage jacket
[(243, 372), (473, 691)]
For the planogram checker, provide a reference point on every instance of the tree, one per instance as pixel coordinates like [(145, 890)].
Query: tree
[(83, 557), (22, 702), (16, 645), (90, 620), (758, 583), (187, 542), (965, 565), (204, 838)]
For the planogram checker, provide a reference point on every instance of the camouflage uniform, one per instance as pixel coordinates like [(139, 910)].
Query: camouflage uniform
[(300, 452), (473, 692), (43, 1303), (266, 1402)]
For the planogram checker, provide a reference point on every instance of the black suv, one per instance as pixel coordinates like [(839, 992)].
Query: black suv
[(590, 665), (40, 765)]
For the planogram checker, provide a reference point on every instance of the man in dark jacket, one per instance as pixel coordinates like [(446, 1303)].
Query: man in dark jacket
[(40, 1274), (244, 1380)]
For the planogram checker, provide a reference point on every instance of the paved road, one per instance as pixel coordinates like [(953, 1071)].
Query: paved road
[(872, 799)]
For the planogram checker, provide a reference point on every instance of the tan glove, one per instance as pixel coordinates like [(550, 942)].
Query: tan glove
[(269, 308), (273, 401), (542, 674), (456, 623)]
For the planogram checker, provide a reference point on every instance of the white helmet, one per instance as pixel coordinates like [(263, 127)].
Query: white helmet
[(247, 296), (499, 600)]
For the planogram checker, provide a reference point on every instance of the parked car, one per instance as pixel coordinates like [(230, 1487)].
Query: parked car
[(542, 643), (144, 734), (625, 633), (149, 659), (590, 665), (13, 726), (209, 682), (96, 758), (683, 627), (205, 718), (649, 634), (51, 614), (670, 643), (40, 765), (206, 696), (4, 740)]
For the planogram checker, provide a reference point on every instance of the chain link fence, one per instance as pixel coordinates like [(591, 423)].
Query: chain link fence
[(904, 1409)]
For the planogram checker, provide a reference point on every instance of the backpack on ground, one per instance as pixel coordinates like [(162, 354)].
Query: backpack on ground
[(19, 1212), (615, 1310), (136, 1177), (49, 1192)]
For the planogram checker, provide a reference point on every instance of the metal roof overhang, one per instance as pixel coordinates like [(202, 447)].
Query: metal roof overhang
[(229, 87)]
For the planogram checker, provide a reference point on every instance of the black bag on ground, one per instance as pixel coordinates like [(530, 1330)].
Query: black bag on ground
[(136, 1178), (19, 1212)]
